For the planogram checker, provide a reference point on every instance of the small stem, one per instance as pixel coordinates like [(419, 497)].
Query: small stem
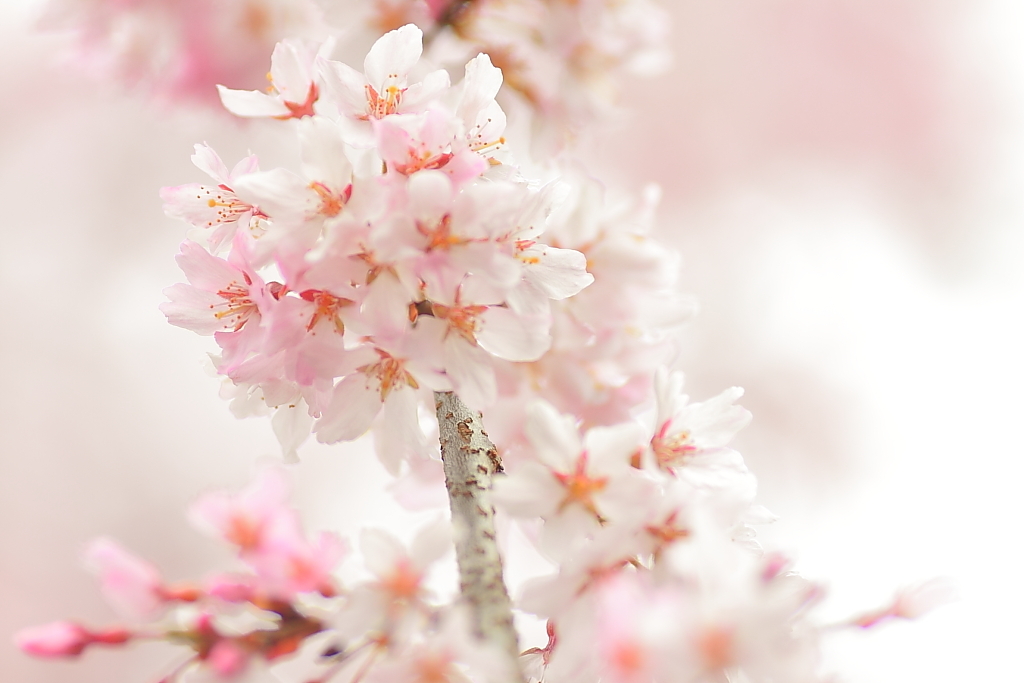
[(470, 463)]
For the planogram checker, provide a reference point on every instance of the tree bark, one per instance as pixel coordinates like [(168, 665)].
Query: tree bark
[(470, 463)]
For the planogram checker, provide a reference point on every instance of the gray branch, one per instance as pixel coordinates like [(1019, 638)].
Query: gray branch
[(470, 463)]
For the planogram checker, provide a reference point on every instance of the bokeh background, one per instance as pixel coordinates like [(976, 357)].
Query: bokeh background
[(844, 180)]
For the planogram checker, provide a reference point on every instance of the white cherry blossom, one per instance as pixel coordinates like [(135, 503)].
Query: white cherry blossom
[(294, 87)]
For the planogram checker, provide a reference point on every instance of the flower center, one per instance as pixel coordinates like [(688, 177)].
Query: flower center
[(328, 307), (391, 372), (384, 103), (238, 305), (229, 208), (674, 450), (331, 202), (440, 235), (462, 319), (580, 487), (403, 583)]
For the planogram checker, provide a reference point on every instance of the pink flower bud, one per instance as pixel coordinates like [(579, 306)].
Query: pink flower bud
[(228, 658), (56, 639)]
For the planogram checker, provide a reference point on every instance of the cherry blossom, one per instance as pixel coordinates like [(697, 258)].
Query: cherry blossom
[(575, 484), (383, 88), (216, 209), (133, 586), (689, 432), (397, 601), (294, 87)]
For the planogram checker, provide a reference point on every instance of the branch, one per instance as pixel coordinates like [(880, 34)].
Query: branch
[(470, 463)]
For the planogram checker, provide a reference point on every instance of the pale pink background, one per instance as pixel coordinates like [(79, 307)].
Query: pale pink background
[(844, 179)]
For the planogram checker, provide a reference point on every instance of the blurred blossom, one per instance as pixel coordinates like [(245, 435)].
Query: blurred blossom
[(177, 49)]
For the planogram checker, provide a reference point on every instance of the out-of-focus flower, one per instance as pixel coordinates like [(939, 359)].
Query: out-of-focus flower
[(131, 585), (179, 50)]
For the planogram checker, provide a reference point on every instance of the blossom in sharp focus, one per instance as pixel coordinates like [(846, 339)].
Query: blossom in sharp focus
[(215, 209), (383, 87)]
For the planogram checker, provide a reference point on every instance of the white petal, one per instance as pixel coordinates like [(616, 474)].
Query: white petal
[(291, 425), (279, 193), (191, 308), (209, 162), (469, 368), (432, 542), (381, 551), (610, 448), (251, 103), (480, 86), (419, 95), (385, 310), (346, 85), (399, 437), (530, 491), (394, 53), (430, 196), (553, 435), (203, 269), (560, 273), (290, 68), (508, 335), (354, 404), (323, 153)]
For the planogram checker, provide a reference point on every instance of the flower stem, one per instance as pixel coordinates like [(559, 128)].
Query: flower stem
[(470, 463)]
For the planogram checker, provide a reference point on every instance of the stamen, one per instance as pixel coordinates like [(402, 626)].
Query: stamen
[(327, 306)]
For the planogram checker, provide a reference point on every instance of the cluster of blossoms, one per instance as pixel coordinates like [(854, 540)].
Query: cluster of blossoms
[(404, 257), (409, 260), (659, 575), (282, 603), (659, 578)]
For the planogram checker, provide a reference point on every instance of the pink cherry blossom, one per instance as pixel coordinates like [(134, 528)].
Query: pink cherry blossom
[(221, 296), (244, 519), (131, 585), (288, 564), (392, 371), (215, 209)]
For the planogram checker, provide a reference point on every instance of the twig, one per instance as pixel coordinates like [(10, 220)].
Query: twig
[(470, 463)]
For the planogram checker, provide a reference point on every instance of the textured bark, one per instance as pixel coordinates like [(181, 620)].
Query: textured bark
[(470, 463)]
